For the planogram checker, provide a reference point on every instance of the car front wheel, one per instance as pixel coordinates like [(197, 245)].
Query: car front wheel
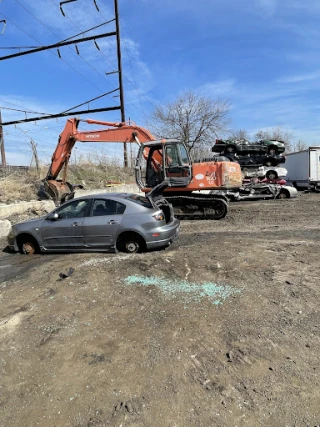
[(28, 246), (284, 194)]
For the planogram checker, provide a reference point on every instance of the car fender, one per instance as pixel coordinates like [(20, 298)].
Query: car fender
[(291, 190), (128, 230)]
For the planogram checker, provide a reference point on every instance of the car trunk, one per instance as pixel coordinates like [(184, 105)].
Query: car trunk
[(158, 201)]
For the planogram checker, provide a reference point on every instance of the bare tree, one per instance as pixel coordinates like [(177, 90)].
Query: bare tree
[(196, 120), (299, 146), (238, 134), (276, 133)]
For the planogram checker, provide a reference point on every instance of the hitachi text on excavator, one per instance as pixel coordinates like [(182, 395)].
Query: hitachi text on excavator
[(188, 184)]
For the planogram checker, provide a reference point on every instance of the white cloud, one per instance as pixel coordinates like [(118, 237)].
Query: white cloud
[(300, 78), (219, 88)]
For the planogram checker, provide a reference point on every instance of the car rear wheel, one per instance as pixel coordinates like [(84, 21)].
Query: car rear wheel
[(132, 246), (130, 243)]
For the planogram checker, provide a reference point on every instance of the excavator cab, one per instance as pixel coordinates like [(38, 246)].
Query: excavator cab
[(163, 160)]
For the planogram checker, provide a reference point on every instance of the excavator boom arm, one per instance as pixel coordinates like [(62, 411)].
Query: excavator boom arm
[(115, 132)]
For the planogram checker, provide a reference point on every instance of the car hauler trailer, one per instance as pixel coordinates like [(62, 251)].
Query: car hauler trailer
[(304, 169)]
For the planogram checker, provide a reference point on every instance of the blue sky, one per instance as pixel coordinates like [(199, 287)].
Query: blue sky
[(263, 55)]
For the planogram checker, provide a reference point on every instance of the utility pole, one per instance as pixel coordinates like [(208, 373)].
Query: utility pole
[(33, 146), (3, 154), (123, 118)]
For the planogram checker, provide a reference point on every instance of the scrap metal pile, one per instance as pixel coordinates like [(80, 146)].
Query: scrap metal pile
[(263, 177)]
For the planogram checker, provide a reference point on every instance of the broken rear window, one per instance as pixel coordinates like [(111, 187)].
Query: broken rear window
[(140, 200)]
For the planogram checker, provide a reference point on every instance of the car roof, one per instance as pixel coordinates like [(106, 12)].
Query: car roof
[(107, 195)]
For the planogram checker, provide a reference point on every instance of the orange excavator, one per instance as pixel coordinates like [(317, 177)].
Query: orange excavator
[(188, 185)]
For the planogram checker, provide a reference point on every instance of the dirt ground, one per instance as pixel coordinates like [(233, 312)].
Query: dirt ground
[(221, 329)]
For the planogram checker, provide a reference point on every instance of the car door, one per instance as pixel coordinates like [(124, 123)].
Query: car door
[(66, 231), (102, 225)]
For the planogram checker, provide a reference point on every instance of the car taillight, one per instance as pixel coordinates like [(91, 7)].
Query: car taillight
[(158, 217)]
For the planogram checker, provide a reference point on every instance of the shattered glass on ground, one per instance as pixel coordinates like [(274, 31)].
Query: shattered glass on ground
[(190, 291)]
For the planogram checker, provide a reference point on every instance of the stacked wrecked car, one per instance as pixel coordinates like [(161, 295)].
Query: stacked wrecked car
[(261, 165)]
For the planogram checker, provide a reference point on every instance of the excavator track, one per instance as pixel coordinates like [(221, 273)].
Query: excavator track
[(198, 206)]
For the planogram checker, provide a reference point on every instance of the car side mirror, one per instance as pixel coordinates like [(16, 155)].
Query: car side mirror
[(53, 216)]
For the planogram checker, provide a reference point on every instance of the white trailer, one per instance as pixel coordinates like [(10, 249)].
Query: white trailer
[(304, 169)]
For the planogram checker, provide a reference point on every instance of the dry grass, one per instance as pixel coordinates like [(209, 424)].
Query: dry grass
[(18, 186), (24, 185), (97, 175)]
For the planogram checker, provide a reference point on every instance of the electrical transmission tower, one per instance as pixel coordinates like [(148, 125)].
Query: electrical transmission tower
[(74, 41)]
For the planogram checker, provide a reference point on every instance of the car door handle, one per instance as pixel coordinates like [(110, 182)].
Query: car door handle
[(76, 224), (112, 221)]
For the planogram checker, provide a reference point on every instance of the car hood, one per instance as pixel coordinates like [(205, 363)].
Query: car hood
[(32, 222)]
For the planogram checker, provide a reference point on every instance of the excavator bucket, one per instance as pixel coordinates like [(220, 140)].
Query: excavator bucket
[(58, 190)]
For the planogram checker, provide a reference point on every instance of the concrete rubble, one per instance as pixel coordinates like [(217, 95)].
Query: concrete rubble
[(5, 227)]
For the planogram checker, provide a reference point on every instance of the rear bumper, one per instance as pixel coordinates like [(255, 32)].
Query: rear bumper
[(166, 237)]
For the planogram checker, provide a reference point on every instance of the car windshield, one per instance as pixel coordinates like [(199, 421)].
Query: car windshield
[(140, 200)]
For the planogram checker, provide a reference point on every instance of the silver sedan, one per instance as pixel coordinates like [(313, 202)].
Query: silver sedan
[(119, 221)]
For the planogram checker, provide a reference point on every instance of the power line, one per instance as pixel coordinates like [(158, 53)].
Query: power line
[(102, 53), (16, 25), (71, 113), (72, 41), (17, 1), (55, 5), (90, 29), (64, 113), (76, 35), (57, 45), (93, 99), (76, 26), (83, 32), (108, 60), (23, 111), (18, 47), (74, 69)]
